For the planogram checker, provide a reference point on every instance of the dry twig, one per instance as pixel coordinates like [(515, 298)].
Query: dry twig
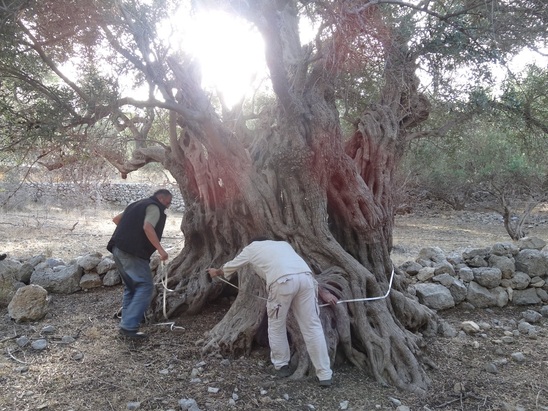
[(7, 339), (16, 359)]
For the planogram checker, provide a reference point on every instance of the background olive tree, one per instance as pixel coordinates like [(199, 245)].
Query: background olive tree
[(495, 159)]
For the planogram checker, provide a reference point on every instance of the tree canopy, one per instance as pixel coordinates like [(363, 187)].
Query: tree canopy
[(313, 163)]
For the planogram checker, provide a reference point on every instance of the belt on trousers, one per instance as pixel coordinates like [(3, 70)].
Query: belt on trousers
[(277, 280)]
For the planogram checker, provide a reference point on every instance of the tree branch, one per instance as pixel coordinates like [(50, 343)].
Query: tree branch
[(49, 62)]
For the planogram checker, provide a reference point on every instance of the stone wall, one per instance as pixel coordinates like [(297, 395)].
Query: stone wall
[(505, 273), (72, 194), (496, 276)]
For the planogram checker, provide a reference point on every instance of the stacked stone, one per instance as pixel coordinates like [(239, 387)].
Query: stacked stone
[(117, 194), (505, 273), (35, 278)]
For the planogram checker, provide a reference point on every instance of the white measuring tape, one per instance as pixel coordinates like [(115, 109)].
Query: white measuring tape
[(355, 300), (163, 281)]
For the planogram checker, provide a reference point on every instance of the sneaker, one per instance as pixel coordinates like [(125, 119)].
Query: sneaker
[(133, 334), (283, 372), (326, 383)]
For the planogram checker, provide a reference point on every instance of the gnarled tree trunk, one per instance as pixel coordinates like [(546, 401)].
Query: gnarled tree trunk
[(296, 178)]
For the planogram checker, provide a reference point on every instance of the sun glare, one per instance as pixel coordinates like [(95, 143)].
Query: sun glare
[(230, 51)]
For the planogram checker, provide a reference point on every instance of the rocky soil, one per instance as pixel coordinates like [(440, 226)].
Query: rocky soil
[(496, 369)]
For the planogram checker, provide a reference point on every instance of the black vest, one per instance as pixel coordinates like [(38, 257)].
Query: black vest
[(129, 235)]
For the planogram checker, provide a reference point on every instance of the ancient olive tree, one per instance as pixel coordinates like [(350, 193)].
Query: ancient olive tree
[(314, 163)]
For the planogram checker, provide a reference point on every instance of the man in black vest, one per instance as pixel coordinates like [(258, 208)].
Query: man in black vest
[(137, 236)]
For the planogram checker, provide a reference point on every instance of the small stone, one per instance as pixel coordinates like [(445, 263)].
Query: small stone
[(484, 325), (395, 401), (22, 341), (470, 327), (39, 344), (48, 329), (67, 339), (531, 316), (533, 334), (133, 405), (491, 368), (518, 357), (213, 390), (77, 356), (343, 405)]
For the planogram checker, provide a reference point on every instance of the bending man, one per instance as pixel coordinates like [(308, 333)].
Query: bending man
[(290, 284)]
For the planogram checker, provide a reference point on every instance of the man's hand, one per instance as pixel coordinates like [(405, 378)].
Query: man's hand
[(163, 254), (327, 297), (215, 272)]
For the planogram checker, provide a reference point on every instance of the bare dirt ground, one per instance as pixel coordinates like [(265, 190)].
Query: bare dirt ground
[(99, 371)]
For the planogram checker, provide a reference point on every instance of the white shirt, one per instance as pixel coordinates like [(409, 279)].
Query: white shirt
[(271, 260)]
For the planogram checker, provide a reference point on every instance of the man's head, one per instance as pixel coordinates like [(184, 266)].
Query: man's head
[(164, 196)]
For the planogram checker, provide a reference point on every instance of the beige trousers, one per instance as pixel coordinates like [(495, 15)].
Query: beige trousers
[(298, 292)]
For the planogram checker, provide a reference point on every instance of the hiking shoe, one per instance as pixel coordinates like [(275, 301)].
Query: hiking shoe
[(326, 383), (283, 372), (133, 334)]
